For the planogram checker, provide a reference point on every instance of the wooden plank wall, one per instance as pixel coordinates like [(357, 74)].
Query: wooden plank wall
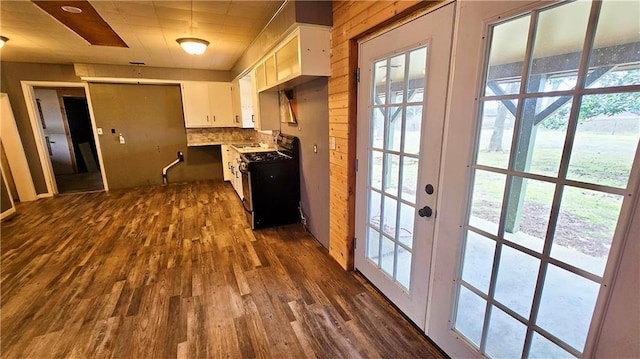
[(352, 20)]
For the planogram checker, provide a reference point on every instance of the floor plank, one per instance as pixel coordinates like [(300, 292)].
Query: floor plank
[(175, 272)]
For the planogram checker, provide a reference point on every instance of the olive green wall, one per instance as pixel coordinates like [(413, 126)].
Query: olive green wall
[(150, 119), (11, 74)]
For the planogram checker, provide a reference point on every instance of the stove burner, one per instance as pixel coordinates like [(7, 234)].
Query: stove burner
[(265, 156)]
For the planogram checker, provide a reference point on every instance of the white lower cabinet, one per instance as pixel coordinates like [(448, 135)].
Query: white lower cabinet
[(236, 176), (226, 162)]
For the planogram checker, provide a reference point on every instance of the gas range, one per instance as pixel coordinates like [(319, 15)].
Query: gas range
[(271, 184), (265, 156)]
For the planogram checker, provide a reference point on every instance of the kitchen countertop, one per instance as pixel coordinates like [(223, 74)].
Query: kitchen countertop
[(245, 148)]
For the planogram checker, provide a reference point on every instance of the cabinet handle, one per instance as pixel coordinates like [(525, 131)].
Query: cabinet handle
[(228, 165), (207, 118), (252, 118), (214, 118)]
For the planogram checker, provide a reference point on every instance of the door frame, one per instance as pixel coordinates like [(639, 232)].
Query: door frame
[(38, 133)]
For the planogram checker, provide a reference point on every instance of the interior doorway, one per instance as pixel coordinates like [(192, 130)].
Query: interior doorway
[(66, 136), (66, 124)]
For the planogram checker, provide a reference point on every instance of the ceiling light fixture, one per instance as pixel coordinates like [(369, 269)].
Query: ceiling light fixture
[(3, 39), (71, 9), (192, 45)]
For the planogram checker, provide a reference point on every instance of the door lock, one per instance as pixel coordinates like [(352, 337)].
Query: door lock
[(425, 211)]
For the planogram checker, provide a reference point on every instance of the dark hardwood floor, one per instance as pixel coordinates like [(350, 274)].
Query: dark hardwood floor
[(166, 272)]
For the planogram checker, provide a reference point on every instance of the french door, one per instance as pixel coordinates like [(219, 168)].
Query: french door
[(551, 183), (401, 102)]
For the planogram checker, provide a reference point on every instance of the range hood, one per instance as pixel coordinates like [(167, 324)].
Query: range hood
[(287, 106)]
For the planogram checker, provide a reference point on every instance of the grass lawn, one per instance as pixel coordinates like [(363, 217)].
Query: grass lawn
[(599, 158)]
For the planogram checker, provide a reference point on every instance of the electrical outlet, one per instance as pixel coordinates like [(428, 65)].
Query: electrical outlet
[(99, 130), (315, 148)]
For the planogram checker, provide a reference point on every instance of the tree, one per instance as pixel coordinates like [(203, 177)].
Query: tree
[(601, 104)]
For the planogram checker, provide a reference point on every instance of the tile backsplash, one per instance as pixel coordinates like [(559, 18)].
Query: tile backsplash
[(197, 136)]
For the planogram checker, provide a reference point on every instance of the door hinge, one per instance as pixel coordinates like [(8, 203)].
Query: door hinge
[(355, 242), (356, 165), (358, 74)]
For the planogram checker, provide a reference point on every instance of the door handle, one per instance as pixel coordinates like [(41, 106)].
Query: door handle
[(425, 211)]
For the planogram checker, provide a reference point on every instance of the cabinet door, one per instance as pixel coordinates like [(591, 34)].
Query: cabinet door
[(236, 103), (246, 102), (220, 101), (287, 60), (195, 103), (255, 99), (226, 162)]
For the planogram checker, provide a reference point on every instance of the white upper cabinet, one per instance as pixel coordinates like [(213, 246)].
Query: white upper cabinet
[(302, 56), (243, 110), (207, 104)]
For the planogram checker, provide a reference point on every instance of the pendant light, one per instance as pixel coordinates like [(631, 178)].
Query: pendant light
[(192, 45)]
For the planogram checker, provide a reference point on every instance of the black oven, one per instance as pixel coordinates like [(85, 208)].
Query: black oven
[(271, 185)]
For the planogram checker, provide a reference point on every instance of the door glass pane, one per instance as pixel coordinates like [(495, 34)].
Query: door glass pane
[(417, 70), (373, 245), (377, 127), (405, 233), (376, 170), (506, 335), (409, 178), (397, 80), (558, 47), (392, 168), (496, 133), (470, 315), (541, 136), (543, 348), (567, 306), (380, 82), (606, 139), (486, 205), (394, 129), (506, 55), (478, 261), (374, 209), (388, 255), (389, 219), (517, 277), (585, 228), (614, 58), (403, 274), (528, 212), (412, 130)]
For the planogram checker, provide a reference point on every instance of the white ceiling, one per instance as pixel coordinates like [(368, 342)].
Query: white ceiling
[(149, 28)]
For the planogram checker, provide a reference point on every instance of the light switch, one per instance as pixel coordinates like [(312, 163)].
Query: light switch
[(121, 139), (332, 143), (99, 130)]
